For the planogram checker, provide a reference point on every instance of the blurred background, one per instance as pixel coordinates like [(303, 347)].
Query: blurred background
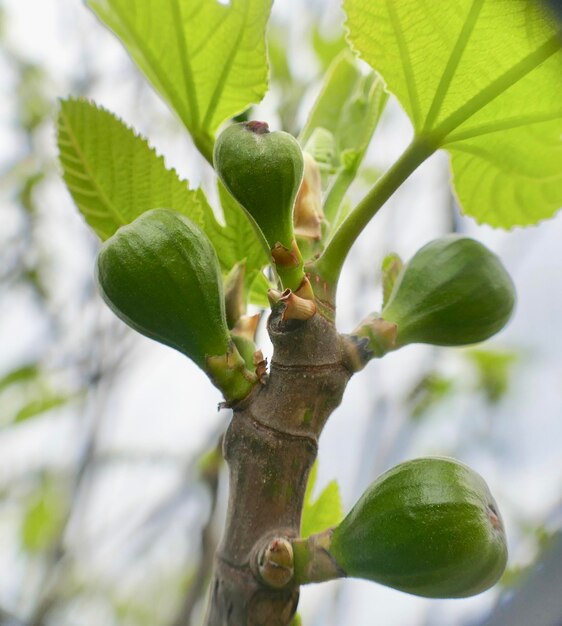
[(112, 493)]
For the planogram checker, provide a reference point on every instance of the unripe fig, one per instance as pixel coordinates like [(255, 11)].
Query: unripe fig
[(429, 527), (454, 291), (263, 171), (160, 275)]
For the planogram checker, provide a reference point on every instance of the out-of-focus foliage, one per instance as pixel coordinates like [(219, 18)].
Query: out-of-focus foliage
[(44, 515), (488, 372), (494, 369)]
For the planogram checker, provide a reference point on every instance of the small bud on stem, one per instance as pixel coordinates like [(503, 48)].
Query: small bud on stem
[(275, 563)]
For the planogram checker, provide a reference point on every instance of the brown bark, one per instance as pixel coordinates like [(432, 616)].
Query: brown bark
[(270, 446)]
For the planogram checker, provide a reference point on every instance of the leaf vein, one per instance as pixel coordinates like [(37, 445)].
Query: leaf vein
[(502, 125), (160, 74), (227, 68), (485, 155), (75, 145), (497, 87), (185, 62), (453, 62), (406, 63)]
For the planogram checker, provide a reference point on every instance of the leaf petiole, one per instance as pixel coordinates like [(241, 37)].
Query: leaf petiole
[(330, 263)]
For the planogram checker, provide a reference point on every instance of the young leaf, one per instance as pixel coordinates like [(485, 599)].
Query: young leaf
[(297, 620), (391, 267), (428, 393), (324, 512), (258, 291), (327, 48), (206, 58), (341, 79), (482, 79), (114, 175), (349, 106), (237, 241)]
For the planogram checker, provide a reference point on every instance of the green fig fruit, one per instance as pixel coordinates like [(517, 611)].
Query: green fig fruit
[(429, 527), (160, 275), (263, 171), (453, 292)]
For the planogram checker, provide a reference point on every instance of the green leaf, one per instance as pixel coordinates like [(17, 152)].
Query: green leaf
[(341, 87), (43, 518), (27, 394), (494, 369), (432, 389), (237, 241), (278, 57), (324, 512), (327, 48), (24, 374), (481, 78), (114, 175), (391, 267), (349, 107), (206, 58), (297, 620), (258, 291), (46, 401)]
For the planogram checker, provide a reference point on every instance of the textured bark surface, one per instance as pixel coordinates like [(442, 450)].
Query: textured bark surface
[(270, 447)]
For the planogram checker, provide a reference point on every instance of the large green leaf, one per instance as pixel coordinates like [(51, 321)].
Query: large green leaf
[(206, 58), (482, 78), (114, 175)]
